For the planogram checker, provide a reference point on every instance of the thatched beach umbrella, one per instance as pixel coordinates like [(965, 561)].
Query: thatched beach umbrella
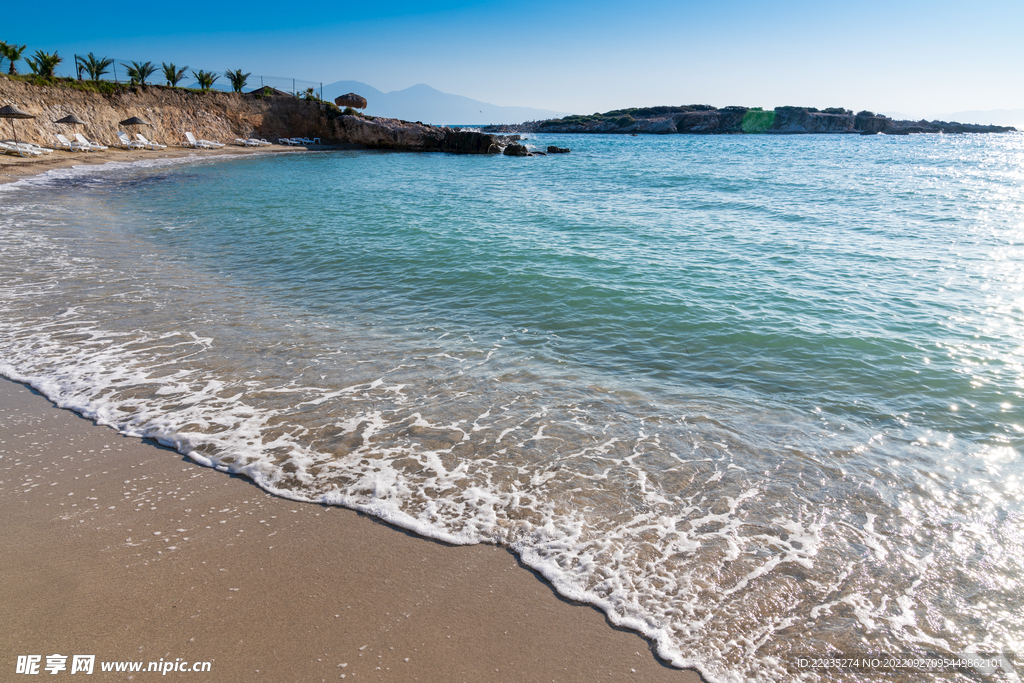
[(351, 100), (71, 120), (11, 112), (134, 121)]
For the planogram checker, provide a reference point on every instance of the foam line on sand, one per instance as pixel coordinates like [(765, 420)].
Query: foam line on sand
[(119, 548)]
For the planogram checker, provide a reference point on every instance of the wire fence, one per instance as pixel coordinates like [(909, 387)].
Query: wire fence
[(117, 72)]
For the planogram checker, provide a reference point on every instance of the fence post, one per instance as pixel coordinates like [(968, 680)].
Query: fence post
[(293, 88)]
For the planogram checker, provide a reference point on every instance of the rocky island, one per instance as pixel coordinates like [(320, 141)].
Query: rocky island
[(707, 120)]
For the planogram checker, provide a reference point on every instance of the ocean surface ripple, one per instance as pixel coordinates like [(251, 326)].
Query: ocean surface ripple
[(758, 398)]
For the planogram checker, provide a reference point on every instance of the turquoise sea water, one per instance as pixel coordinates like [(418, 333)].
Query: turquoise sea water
[(756, 397)]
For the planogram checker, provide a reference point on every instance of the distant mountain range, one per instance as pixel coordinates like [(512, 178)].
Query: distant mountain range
[(423, 103)]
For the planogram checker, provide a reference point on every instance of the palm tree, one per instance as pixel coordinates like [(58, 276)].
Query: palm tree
[(173, 74), (13, 54), (44, 63), (138, 72), (237, 78), (94, 66), (205, 78)]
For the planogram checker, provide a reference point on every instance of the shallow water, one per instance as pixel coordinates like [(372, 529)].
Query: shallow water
[(755, 397)]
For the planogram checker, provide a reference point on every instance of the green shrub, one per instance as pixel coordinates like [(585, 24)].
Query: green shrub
[(757, 120)]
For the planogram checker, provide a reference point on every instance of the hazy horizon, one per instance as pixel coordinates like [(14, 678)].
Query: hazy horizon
[(912, 57)]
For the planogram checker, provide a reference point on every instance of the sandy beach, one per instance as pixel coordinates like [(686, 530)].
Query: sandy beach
[(123, 549), (13, 168)]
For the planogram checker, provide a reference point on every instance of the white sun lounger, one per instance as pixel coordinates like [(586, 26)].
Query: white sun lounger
[(205, 144), (31, 146), (39, 148), (70, 146), (244, 142), (93, 146), (190, 141), (149, 144), (126, 142), (18, 150)]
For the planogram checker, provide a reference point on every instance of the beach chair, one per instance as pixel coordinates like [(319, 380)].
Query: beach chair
[(261, 142), (150, 144), (92, 146), (203, 144), (190, 141), (70, 146), (244, 142), (31, 146), (124, 142), (288, 141), (18, 150)]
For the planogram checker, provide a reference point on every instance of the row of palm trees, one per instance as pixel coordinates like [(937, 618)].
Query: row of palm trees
[(44, 64), (139, 72)]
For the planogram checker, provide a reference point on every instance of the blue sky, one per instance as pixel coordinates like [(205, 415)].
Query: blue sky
[(917, 58)]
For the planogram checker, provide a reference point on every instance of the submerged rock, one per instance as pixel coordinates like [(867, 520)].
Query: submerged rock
[(516, 150), (557, 150), (471, 142)]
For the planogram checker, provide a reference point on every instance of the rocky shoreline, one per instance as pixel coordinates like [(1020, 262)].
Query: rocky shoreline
[(224, 116), (707, 120)]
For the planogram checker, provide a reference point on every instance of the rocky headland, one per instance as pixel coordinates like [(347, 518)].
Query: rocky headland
[(221, 116), (707, 120)]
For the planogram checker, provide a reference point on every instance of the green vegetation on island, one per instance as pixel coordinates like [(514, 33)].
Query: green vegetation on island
[(757, 120)]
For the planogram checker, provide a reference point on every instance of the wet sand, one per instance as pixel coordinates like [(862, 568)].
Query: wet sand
[(120, 548), (14, 168)]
